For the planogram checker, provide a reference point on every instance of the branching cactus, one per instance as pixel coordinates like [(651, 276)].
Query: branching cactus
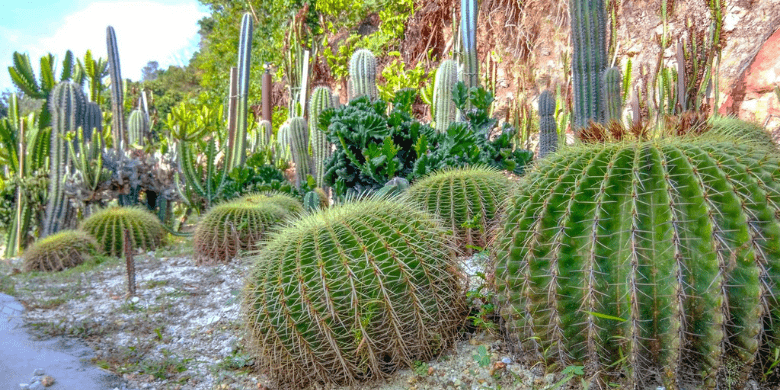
[(108, 225), (589, 59), (362, 75), (352, 292), (466, 199), (93, 120), (67, 104), (117, 86), (296, 138), (137, 128), (548, 130), (469, 10), (660, 256), (444, 107), (321, 100), (613, 101)]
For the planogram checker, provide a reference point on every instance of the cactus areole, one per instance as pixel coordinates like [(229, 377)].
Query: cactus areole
[(666, 253)]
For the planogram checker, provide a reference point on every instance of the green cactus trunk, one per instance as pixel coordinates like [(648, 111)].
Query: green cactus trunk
[(469, 11), (589, 59), (263, 135), (444, 108), (137, 128), (117, 90), (67, 104), (662, 253), (238, 149), (362, 75), (321, 100), (93, 120), (613, 101), (548, 129), (296, 138)]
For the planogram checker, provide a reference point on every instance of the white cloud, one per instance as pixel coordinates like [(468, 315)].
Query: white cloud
[(145, 31)]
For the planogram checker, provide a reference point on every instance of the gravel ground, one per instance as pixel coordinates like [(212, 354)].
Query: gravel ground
[(182, 330)]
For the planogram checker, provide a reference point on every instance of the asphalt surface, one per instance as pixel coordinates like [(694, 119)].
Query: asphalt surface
[(67, 360)]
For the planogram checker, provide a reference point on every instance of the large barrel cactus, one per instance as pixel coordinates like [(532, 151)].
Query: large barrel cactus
[(285, 201), (59, 251), (352, 292), (234, 226), (467, 199), (663, 253), (108, 226)]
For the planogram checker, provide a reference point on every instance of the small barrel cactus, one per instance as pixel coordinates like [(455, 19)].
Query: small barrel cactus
[(108, 226), (664, 253), (59, 251), (286, 201), (234, 226), (351, 293), (468, 200), (548, 129)]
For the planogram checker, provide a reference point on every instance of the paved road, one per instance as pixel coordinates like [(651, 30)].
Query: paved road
[(64, 359)]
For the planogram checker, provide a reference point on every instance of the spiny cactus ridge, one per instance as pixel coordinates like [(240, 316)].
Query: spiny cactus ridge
[(362, 74), (117, 86), (93, 119), (297, 137), (445, 110), (548, 129), (589, 60), (321, 100), (613, 102), (108, 225), (137, 128), (469, 10), (238, 152), (60, 251)]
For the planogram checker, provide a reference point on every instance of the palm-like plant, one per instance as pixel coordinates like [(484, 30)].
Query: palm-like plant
[(23, 76)]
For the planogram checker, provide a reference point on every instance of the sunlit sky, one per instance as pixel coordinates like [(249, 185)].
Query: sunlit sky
[(153, 30)]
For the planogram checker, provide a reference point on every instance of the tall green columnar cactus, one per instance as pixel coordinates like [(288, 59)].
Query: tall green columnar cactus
[(548, 130), (362, 75), (445, 110), (589, 59), (67, 104), (117, 94), (613, 101), (660, 257), (321, 100), (469, 10), (238, 149), (298, 140), (93, 119), (137, 128), (263, 134)]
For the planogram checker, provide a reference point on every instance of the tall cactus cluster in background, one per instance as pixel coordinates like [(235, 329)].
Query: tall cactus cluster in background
[(469, 10), (548, 129), (294, 134), (137, 128), (613, 101), (238, 148), (444, 107), (362, 75), (67, 105), (589, 59), (321, 149), (117, 86)]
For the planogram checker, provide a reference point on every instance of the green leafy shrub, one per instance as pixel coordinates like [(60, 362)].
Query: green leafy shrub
[(660, 256), (234, 226), (108, 225), (351, 293), (468, 200), (65, 249), (254, 176)]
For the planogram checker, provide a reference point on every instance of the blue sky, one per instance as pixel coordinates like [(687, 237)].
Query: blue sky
[(150, 30)]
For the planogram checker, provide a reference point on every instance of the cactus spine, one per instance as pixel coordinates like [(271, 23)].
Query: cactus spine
[(117, 93), (444, 108), (613, 102), (296, 137), (67, 104), (589, 59), (362, 75), (137, 128), (548, 130), (469, 10), (238, 149), (93, 119), (321, 99)]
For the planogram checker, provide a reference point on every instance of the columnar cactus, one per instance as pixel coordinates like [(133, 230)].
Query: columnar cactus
[(67, 104), (662, 253), (93, 119), (117, 86), (613, 102), (296, 137), (362, 75), (234, 226), (352, 293), (263, 134), (469, 10), (548, 129), (238, 149), (321, 99), (444, 107), (60, 251), (137, 128), (108, 225), (468, 200), (589, 59)]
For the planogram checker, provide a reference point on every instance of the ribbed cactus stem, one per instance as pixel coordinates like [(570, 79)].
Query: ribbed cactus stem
[(298, 138), (548, 129), (469, 10), (67, 105), (283, 141), (589, 59), (137, 128), (362, 74), (93, 119), (117, 93), (238, 149), (613, 101), (444, 107), (311, 201), (263, 134), (321, 100)]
